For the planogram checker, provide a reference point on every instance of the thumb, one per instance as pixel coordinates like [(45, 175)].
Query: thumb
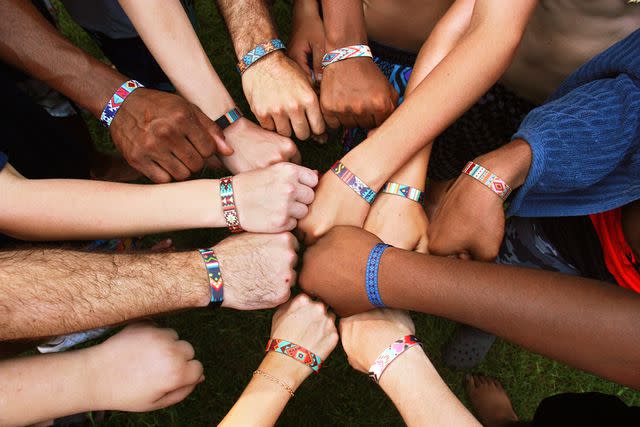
[(423, 245), (215, 132)]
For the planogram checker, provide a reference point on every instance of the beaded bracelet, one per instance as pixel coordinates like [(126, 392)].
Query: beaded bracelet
[(259, 52), (390, 354), (114, 104), (216, 284), (353, 182), (229, 205), (404, 191), (275, 380), (371, 278), (488, 179), (229, 118), (355, 51), (296, 352)]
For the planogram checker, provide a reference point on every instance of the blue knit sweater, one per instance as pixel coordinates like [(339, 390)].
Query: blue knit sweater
[(586, 139)]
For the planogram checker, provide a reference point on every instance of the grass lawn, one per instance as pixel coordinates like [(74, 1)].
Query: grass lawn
[(230, 344)]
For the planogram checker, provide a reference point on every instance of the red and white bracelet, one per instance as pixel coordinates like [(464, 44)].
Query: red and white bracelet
[(348, 52), (490, 180), (229, 205)]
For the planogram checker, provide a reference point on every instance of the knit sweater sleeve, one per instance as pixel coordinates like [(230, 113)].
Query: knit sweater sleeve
[(577, 141)]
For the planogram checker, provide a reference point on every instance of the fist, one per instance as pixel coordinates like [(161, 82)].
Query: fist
[(366, 335), (257, 269), (142, 368), (273, 199)]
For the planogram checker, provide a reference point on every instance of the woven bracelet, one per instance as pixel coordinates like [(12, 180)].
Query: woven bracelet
[(353, 182), (258, 53), (216, 284), (348, 52), (114, 104), (490, 180), (296, 352), (228, 118), (390, 354), (405, 191), (229, 205), (371, 278)]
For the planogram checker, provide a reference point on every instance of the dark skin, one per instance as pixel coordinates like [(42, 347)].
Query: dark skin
[(570, 310), (161, 135)]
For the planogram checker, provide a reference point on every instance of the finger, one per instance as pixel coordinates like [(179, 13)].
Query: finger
[(186, 349), (423, 245), (314, 115), (174, 396), (318, 53), (189, 156), (193, 372), (175, 167), (283, 126), (169, 333), (298, 210), (300, 58), (200, 139), (304, 194), (155, 172), (331, 119), (294, 243), (300, 124), (365, 121), (267, 123), (214, 131), (308, 177), (348, 120)]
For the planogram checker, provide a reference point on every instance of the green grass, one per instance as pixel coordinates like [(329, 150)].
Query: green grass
[(230, 343)]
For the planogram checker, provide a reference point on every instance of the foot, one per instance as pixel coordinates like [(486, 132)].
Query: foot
[(490, 401)]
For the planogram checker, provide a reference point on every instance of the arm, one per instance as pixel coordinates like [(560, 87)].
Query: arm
[(150, 129), (307, 38), (572, 311), (268, 200), (278, 91), (302, 322), (70, 291)]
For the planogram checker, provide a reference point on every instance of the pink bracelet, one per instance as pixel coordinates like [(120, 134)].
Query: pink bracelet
[(389, 355), (490, 180)]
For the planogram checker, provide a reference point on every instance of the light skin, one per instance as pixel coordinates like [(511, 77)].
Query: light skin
[(375, 160), (278, 91), (303, 322), (185, 62), (411, 381), (158, 368), (268, 200), (568, 309), (70, 291), (160, 134)]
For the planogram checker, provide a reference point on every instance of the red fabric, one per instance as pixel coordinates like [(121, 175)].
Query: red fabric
[(618, 255)]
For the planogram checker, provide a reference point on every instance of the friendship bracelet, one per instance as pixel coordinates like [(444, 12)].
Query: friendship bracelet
[(229, 118), (488, 179), (274, 380), (355, 51), (114, 104), (404, 191), (353, 182), (229, 205), (371, 278), (258, 52), (215, 275), (296, 352), (390, 354)]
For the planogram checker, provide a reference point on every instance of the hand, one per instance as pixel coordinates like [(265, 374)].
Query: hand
[(164, 136), (307, 38), (256, 148), (355, 93), (141, 369), (399, 222), (335, 204), (257, 269), (366, 335), (281, 97), (334, 269), (273, 199)]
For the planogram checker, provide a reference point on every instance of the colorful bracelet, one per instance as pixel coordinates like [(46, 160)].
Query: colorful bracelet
[(355, 51), (229, 205), (353, 182), (371, 278), (488, 179), (274, 380), (215, 275), (116, 101), (389, 355), (258, 52), (404, 191), (229, 118), (296, 352)]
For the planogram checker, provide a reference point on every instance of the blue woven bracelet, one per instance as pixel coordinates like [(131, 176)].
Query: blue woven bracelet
[(114, 104), (258, 52), (371, 279)]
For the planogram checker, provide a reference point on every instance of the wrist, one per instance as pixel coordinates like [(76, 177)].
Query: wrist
[(510, 162), (268, 62), (286, 369), (362, 166), (394, 378), (200, 295)]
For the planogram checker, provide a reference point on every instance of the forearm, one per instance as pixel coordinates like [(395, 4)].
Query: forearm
[(263, 401), (167, 32), (422, 398), (249, 23), (65, 209), (343, 23), (549, 313), (58, 382), (30, 43), (48, 292)]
